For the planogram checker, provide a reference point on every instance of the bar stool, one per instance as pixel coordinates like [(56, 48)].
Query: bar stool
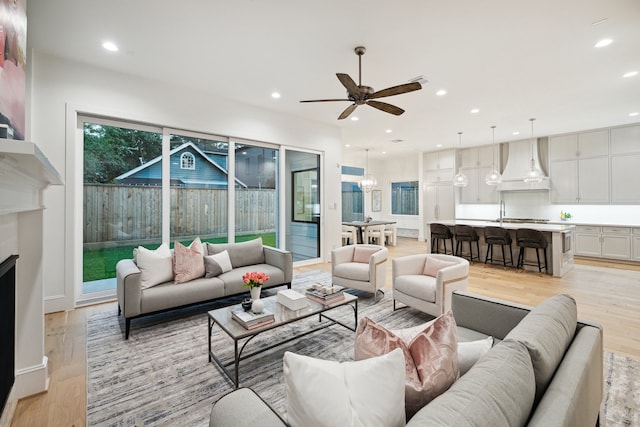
[(466, 233), (497, 236), (440, 232), (528, 238)]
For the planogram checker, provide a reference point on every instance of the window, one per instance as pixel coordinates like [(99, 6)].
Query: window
[(187, 161), (404, 198)]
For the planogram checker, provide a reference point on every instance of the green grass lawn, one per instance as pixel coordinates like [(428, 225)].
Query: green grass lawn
[(101, 263)]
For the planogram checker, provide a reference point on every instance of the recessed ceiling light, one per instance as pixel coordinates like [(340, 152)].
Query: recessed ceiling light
[(441, 92), (630, 74), (110, 46), (635, 113), (347, 145), (438, 145), (603, 43), (516, 133), (354, 119), (384, 152), (388, 131), (275, 95), (475, 111)]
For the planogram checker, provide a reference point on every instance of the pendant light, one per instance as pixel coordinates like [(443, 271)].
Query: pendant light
[(533, 174), (460, 180), (367, 182), (493, 177)]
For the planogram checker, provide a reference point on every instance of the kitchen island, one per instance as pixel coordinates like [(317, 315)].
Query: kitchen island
[(559, 236)]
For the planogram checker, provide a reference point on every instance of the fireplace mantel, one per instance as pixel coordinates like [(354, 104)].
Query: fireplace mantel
[(24, 173)]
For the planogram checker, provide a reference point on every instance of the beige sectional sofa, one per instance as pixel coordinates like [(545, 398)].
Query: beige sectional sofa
[(135, 300), (544, 370)]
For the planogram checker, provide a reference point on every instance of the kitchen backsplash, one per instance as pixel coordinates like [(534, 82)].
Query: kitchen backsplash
[(536, 205)]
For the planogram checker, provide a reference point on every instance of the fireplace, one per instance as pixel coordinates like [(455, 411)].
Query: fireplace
[(7, 327)]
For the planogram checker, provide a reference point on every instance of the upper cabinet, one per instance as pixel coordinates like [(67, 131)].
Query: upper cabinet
[(476, 164), (439, 165), (580, 167), (625, 161)]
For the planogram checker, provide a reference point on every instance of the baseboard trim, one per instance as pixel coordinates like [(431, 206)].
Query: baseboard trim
[(32, 380)]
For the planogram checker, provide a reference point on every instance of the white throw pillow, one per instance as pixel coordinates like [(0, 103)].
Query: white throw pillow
[(223, 260), (361, 394), (471, 351), (156, 266)]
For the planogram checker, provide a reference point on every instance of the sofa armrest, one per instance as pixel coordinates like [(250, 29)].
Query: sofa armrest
[(128, 288), (486, 315), (378, 268), (576, 391), (281, 259), (243, 408)]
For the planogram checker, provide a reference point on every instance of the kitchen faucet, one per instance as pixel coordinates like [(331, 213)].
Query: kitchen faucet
[(503, 211)]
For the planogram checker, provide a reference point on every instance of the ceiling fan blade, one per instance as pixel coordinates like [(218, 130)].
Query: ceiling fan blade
[(325, 100), (348, 111), (396, 90), (387, 108), (348, 83)]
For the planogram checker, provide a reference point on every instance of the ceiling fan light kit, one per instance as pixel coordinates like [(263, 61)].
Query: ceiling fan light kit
[(360, 94)]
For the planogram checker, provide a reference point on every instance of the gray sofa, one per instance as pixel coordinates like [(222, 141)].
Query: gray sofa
[(544, 370), (135, 301)]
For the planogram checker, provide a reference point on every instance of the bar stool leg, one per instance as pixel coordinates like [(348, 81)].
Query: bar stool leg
[(486, 257), (504, 260), (538, 257)]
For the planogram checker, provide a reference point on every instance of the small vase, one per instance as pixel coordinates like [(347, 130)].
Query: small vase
[(255, 292), (257, 306)]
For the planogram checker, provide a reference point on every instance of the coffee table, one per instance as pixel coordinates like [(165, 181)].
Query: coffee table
[(283, 316)]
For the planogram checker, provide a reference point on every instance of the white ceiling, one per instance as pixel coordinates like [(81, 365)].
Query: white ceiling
[(512, 59)]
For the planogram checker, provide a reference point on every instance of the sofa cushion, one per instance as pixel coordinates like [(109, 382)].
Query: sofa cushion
[(498, 392), (417, 285), (547, 332), (188, 262), (362, 254), (328, 393), (433, 265), (233, 283), (242, 253), (211, 267), (353, 271), (156, 266), (430, 356)]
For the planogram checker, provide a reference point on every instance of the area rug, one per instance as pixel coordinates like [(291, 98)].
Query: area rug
[(161, 375)]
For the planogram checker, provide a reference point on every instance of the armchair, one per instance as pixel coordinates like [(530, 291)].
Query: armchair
[(362, 267), (426, 281)]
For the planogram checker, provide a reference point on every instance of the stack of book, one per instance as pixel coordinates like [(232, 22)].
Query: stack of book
[(325, 295), (251, 320)]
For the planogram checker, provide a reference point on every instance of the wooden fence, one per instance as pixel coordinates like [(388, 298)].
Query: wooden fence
[(134, 213)]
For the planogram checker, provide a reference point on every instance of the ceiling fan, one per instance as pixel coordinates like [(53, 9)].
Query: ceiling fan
[(359, 94)]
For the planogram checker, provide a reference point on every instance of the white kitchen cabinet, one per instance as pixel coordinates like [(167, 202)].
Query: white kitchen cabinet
[(636, 244), (439, 166), (625, 160), (580, 168), (476, 164), (603, 242), (439, 202)]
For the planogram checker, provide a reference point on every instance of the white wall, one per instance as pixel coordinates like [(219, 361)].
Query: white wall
[(60, 88)]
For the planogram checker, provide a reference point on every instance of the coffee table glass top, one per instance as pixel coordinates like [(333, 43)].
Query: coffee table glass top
[(283, 315)]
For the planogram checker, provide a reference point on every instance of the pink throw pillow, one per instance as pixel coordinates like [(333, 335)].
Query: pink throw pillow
[(361, 254), (432, 265), (431, 357), (188, 262)]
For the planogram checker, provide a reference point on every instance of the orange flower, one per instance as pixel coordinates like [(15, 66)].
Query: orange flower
[(254, 279)]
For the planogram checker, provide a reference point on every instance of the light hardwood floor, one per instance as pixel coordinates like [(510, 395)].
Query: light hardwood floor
[(607, 293)]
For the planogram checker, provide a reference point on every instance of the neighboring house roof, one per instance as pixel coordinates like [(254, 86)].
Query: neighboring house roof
[(176, 150)]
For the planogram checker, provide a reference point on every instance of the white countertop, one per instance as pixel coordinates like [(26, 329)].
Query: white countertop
[(549, 227)]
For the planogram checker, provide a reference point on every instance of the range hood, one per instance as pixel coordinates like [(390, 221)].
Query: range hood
[(518, 164)]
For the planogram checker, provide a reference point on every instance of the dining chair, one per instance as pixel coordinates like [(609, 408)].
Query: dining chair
[(374, 234), (390, 236)]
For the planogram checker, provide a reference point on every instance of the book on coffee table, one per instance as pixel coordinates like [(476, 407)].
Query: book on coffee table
[(251, 320), (325, 295)]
